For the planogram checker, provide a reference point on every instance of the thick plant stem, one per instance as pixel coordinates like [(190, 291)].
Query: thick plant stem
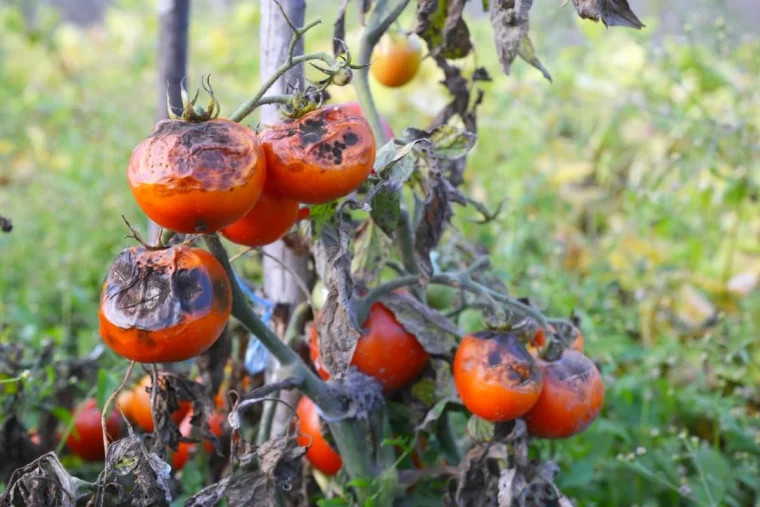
[(353, 448), (378, 24)]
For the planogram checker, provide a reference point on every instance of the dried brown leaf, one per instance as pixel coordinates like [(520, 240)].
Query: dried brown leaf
[(611, 12), (510, 22)]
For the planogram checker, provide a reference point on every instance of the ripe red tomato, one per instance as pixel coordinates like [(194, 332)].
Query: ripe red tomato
[(386, 351), (356, 109), (140, 407), (497, 379), (572, 396), (396, 59), (324, 155), (86, 438), (164, 305), (197, 177), (185, 449), (320, 454), (269, 220)]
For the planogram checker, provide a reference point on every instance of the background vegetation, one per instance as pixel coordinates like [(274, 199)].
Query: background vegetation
[(631, 195)]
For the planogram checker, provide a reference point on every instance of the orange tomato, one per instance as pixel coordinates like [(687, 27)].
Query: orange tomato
[(320, 157), (386, 351), (496, 377), (166, 305), (140, 407), (86, 437), (124, 403), (269, 220), (197, 177), (320, 454), (396, 59), (572, 396)]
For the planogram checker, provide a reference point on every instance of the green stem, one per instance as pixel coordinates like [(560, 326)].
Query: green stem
[(257, 100), (378, 24), (352, 446)]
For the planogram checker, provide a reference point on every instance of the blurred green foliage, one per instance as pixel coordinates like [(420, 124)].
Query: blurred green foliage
[(631, 187)]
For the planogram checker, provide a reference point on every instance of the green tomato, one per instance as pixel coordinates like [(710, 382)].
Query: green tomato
[(470, 320), (441, 297), (319, 295)]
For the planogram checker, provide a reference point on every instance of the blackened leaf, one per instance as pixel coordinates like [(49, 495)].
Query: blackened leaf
[(444, 142), (372, 248), (478, 481), (456, 35), (42, 483), (339, 28), (440, 25), (436, 213), (481, 74), (251, 490), (431, 16), (129, 462), (339, 329), (444, 393), (509, 19), (16, 448), (211, 363), (611, 12), (210, 495), (437, 334), (386, 209), (527, 52), (280, 460)]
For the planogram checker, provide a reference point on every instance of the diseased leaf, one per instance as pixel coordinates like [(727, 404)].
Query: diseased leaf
[(611, 12), (130, 464), (372, 248), (386, 209), (444, 142), (477, 483), (42, 483), (509, 19), (440, 25), (280, 460), (480, 429), (395, 163), (443, 393), (527, 52), (211, 363), (437, 334), (436, 213), (338, 328)]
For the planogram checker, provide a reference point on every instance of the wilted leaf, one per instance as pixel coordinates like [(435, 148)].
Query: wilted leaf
[(437, 334), (445, 141), (436, 213), (211, 363), (248, 490), (480, 429), (477, 483), (339, 329), (42, 483), (443, 393), (527, 52), (280, 460), (611, 12), (509, 19), (386, 209), (339, 28), (440, 25), (372, 248), (395, 163), (130, 464), (16, 448)]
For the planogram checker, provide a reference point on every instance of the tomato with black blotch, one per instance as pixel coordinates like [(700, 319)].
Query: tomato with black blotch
[(497, 379), (269, 220), (197, 177), (160, 306), (322, 156), (386, 351), (140, 407), (320, 454), (356, 108), (86, 437), (571, 398), (396, 59)]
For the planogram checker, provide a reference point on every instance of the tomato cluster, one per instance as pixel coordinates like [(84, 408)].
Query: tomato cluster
[(499, 380)]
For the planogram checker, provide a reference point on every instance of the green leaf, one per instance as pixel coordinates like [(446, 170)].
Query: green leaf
[(395, 163), (424, 390), (386, 209), (480, 429), (527, 52), (451, 142), (321, 215)]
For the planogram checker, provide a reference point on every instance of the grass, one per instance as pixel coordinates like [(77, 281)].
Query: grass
[(631, 188)]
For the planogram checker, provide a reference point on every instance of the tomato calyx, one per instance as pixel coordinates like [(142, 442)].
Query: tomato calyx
[(191, 112)]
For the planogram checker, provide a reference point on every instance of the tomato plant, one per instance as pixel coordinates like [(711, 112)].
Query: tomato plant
[(197, 177), (571, 398), (324, 155), (186, 449), (86, 437), (164, 305), (140, 406), (496, 377), (320, 454)]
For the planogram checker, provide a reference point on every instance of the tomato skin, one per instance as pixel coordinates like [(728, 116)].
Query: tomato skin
[(572, 396), (187, 315), (269, 220), (320, 157), (386, 351), (320, 454), (86, 438), (124, 402), (395, 60), (141, 408), (356, 109), (495, 376), (197, 177)]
